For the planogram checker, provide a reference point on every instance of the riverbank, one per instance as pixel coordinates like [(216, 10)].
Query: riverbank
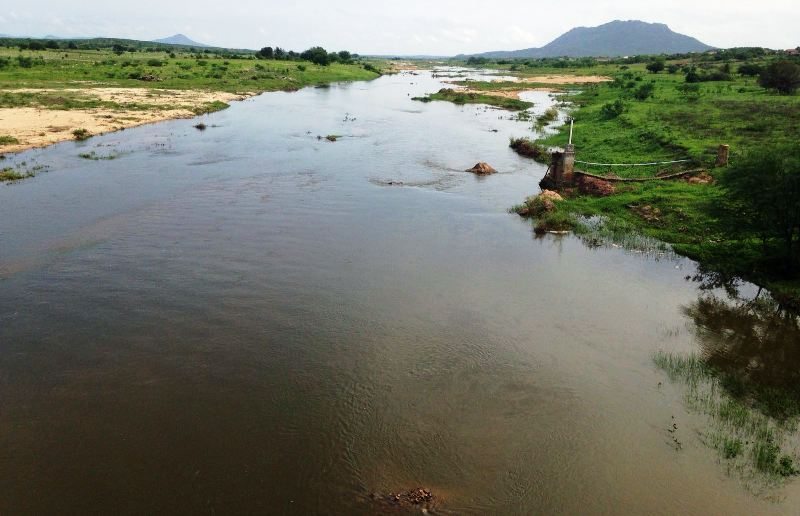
[(641, 117), (46, 96), (35, 125)]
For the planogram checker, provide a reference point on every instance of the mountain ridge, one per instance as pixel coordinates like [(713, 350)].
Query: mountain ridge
[(613, 39), (179, 39)]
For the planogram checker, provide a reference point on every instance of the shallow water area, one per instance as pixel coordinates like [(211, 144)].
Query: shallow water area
[(252, 318)]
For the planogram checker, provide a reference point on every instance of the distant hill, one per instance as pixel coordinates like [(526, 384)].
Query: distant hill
[(179, 39), (613, 39)]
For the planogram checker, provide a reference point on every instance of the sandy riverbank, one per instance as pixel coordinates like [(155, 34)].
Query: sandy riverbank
[(552, 82), (34, 127)]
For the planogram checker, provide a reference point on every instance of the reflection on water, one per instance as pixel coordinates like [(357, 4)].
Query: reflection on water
[(252, 320), (755, 342)]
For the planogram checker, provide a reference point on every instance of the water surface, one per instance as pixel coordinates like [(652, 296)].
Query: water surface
[(254, 320)]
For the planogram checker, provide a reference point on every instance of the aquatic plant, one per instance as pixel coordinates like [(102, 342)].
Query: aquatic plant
[(754, 443)]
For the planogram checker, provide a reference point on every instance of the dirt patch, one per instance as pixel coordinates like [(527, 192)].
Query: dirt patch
[(704, 178), (566, 79), (596, 187), (647, 212), (38, 127)]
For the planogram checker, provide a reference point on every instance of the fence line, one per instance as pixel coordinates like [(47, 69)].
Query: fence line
[(633, 164)]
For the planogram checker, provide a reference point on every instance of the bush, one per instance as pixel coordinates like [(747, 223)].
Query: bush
[(644, 91), (781, 76), (81, 134), (612, 109), (154, 62), (656, 66), (25, 62), (750, 70)]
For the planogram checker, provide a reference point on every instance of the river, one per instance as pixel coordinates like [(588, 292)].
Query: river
[(251, 319)]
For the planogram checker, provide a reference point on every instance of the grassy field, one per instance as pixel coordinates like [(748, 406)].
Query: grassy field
[(56, 69)]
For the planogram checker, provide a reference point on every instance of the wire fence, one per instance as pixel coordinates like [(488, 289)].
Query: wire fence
[(634, 164)]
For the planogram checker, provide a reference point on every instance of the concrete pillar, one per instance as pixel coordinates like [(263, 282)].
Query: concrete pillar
[(557, 167), (722, 155), (569, 162)]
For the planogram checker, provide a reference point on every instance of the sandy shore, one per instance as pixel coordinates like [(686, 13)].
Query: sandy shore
[(34, 127), (554, 80)]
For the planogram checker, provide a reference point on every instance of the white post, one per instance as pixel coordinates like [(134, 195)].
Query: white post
[(571, 122)]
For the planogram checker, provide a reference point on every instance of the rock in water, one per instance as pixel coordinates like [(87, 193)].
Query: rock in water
[(482, 169)]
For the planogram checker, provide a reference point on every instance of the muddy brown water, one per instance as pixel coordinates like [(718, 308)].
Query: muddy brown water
[(253, 320)]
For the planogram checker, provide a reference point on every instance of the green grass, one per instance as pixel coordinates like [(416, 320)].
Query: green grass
[(460, 97), (8, 140), (677, 122), (61, 69)]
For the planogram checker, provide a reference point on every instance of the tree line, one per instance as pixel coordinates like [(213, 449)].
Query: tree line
[(316, 55)]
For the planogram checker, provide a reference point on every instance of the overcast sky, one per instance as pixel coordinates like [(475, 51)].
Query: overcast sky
[(441, 27)]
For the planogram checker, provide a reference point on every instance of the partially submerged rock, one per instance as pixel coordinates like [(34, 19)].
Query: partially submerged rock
[(421, 499), (551, 195), (482, 169), (537, 205)]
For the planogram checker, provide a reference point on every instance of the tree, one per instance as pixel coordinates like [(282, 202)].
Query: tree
[(280, 53), (266, 53), (764, 192), (656, 66), (316, 55), (782, 76), (750, 70), (345, 56)]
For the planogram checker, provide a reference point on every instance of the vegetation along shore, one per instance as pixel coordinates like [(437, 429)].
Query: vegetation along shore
[(51, 91), (740, 220)]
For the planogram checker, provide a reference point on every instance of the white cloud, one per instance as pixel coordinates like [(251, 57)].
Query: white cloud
[(411, 26)]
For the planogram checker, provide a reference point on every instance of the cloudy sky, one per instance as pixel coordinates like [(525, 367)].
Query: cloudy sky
[(440, 27)]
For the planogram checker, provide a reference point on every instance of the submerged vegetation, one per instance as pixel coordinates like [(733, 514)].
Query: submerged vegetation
[(750, 440), (746, 380)]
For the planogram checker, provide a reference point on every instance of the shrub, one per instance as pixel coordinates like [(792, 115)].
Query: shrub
[(656, 66), (154, 62), (750, 70), (612, 109), (25, 62), (644, 91), (81, 134)]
